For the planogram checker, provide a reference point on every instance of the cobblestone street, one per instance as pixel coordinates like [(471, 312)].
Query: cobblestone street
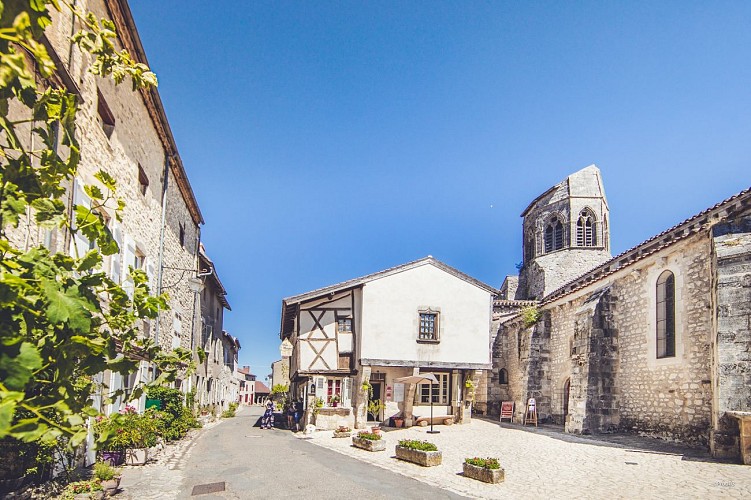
[(539, 463), (545, 463)]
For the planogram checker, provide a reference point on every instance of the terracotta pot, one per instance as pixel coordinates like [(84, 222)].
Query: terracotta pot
[(398, 422)]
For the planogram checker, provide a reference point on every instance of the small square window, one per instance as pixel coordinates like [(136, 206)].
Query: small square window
[(428, 331), (106, 118), (344, 325), (143, 180)]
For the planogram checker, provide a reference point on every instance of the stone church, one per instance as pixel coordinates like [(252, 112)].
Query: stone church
[(654, 341)]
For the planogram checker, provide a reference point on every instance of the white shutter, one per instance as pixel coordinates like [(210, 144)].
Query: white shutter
[(150, 274), (320, 387), (129, 259), (347, 392), (78, 242), (116, 264)]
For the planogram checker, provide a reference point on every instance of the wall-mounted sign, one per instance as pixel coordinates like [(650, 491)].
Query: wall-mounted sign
[(388, 393), (398, 392), (286, 348)]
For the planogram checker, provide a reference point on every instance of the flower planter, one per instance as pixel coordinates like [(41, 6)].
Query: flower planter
[(110, 486), (342, 434), (376, 430), (483, 474), (136, 456), (419, 457), (114, 458), (369, 444), (398, 422)]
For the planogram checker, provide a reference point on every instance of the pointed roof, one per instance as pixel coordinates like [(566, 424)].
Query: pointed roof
[(584, 183), (290, 304), (353, 283)]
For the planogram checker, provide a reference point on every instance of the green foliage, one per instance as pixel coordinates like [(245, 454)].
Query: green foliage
[(375, 406), (176, 419), (81, 487), (485, 463), (280, 389), (128, 429), (370, 436), (230, 412), (62, 320), (414, 444), (201, 355), (530, 315), (104, 471), (317, 406)]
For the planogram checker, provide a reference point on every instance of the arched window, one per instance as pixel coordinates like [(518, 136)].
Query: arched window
[(502, 376), (553, 235), (666, 315), (585, 229)]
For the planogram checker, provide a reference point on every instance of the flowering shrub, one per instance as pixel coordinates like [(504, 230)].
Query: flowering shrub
[(80, 487), (414, 444), (127, 429), (485, 463)]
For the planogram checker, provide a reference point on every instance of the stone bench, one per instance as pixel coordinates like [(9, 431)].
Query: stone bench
[(425, 421)]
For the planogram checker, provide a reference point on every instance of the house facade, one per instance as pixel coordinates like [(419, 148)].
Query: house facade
[(246, 386), (126, 133), (351, 341), (653, 341)]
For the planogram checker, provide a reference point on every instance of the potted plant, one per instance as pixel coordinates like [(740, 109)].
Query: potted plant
[(419, 452), (110, 440), (342, 432), (484, 469), (139, 434), (398, 421), (108, 476), (335, 400), (369, 441), (374, 408), (80, 490)]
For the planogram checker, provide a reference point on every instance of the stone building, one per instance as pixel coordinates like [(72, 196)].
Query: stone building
[(126, 133), (216, 384), (653, 341), (247, 385)]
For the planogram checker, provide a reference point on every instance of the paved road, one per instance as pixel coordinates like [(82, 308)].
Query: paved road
[(257, 463)]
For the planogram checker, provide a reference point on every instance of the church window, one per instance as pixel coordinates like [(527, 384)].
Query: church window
[(502, 376), (666, 315), (585, 230), (554, 235)]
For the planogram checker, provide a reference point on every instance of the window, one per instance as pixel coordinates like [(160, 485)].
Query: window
[(502, 376), (333, 388), (428, 326), (143, 180), (585, 229), (666, 315), (344, 325), (182, 235), (440, 390), (554, 235), (106, 118)]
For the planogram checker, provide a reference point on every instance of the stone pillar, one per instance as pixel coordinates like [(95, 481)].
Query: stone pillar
[(731, 304), (593, 401), (409, 400), (360, 398)]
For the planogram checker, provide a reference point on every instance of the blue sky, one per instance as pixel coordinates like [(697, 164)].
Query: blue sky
[(328, 140)]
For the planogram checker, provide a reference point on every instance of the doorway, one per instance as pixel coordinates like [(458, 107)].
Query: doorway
[(372, 417)]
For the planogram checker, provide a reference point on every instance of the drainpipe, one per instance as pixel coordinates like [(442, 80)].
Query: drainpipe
[(160, 264)]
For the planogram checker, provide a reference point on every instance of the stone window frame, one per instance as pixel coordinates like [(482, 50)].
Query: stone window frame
[(665, 310), (653, 274), (542, 227), (582, 241), (435, 311), (503, 376)]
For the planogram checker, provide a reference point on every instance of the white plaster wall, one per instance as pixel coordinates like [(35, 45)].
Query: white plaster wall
[(390, 318)]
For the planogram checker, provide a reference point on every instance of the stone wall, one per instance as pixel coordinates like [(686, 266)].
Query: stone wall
[(607, 350), (731, 259)]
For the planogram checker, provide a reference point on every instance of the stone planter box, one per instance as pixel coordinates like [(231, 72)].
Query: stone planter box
[(483, 474), (369, 444), (419, 457), (110, 486), (343, 434), (136, 456)]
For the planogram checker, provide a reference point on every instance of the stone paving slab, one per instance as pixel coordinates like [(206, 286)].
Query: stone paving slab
[(541, 463)]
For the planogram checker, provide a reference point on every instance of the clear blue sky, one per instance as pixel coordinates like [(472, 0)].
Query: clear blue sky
[(328, 140)]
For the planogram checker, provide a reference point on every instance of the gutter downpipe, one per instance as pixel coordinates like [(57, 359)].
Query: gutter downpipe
[(160, 266)]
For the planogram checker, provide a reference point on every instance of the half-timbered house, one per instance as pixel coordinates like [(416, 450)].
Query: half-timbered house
[(353, 339)]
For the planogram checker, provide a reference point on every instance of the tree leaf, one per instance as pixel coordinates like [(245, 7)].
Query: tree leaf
[(16, 370)]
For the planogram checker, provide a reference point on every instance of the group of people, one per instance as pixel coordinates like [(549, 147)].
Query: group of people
[(293, 410)]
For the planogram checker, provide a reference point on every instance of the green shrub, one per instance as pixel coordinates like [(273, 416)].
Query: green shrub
[(175, 417), (104, 471), (485, 463), (530, 315), (414, 444), (370, 436)]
